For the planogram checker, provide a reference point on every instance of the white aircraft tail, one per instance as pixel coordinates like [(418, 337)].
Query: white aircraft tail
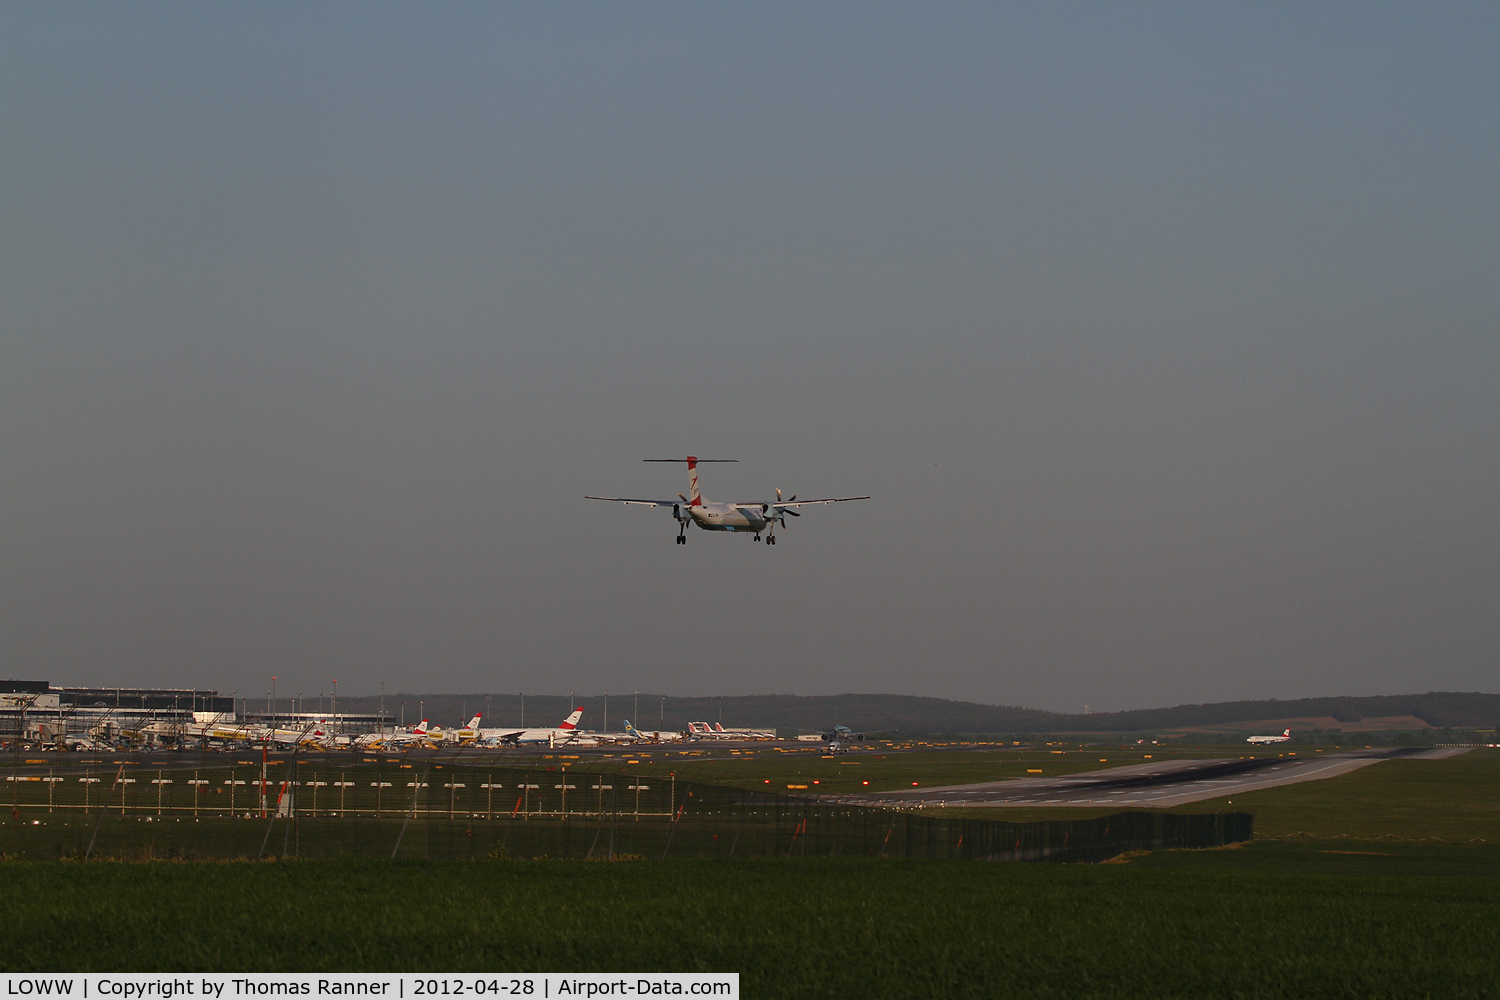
[(474, 722), (420, 728), (1286, 732), (571, 722)]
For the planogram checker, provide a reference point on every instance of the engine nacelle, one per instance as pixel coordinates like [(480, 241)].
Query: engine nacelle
[(680, 511)]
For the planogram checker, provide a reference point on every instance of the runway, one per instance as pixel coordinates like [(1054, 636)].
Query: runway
[(1155, 785)]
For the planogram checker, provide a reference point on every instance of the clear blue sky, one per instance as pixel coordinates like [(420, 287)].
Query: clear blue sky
[(1165, 336)]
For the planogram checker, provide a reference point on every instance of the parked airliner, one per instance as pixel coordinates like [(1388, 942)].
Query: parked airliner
[(567, 732), (753, 517)]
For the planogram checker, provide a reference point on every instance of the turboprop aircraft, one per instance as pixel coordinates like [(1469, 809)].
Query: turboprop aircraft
[(754, 517)]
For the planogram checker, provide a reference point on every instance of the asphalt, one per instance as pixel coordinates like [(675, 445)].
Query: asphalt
[(1155, 785)]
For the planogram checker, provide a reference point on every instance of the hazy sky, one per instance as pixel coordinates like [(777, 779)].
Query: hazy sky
[(1167, 337)]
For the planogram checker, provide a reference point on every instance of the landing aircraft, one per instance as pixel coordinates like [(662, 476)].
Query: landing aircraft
[(1286, 734), (753, 517)]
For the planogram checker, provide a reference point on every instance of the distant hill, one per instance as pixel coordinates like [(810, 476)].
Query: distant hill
[(919, 715)]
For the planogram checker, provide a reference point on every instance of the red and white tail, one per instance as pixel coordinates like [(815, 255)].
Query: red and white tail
[(474, 722), (718, 727), (571, 722), (695, 498), (420, 727), (1286, 732)]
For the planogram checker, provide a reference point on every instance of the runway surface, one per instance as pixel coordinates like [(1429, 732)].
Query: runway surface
[(1156, 785)]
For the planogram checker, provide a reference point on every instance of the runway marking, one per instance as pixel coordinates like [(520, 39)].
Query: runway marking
[(1077, 790)]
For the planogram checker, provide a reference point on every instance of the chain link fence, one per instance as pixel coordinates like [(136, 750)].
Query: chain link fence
[(330, 806)]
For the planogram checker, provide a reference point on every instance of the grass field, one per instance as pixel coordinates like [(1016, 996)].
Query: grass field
[(1269, 921), (1453, 800), (1384, 882), (774, 770)]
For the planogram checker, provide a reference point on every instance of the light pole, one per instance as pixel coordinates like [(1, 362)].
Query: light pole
[(273, 700), (334, 705), (604, 722)]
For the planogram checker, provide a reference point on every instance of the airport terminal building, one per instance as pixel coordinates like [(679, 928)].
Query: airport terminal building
[(35, 711)]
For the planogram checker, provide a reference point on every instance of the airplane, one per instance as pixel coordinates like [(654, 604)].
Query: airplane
[(567, 732), (655, 737), (843, 734), (468, 734), (753, 517), (743, 734), (417, 734), (703, 731), (1286, 734)]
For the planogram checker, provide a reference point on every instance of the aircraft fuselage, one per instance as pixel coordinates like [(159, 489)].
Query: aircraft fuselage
[(726, 517)]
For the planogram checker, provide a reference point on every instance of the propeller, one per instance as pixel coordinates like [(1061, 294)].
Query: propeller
[(781, 514)]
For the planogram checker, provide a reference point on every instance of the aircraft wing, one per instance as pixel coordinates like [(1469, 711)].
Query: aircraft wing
[(804, 503), (644, 503)]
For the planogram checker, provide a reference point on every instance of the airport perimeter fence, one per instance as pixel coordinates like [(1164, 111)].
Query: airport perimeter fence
[(327, 807)]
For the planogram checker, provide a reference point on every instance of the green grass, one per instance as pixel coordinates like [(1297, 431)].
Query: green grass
[(1455, 800), (1269, 921), (886, 770)]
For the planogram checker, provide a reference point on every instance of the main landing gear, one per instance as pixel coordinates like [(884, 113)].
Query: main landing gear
[(682, 533)]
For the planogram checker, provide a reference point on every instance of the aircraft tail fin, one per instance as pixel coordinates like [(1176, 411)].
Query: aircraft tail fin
[(1286, 732), (571, 722), (420, 727), (695, 497), (474, 722)]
